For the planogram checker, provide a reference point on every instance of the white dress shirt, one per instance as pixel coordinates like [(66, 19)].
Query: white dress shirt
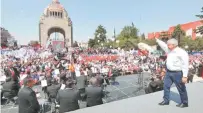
[(177, 59)]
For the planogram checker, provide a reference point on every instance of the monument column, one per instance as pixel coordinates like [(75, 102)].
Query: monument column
[(62, 23)]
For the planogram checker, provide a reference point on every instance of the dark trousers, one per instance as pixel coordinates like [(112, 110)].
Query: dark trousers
[(82, 94), (73, 75), (175, 77)]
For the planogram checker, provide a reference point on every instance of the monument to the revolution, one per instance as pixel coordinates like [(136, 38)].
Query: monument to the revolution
[(55, 19)]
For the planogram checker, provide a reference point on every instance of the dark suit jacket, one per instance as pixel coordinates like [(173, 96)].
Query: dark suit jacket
[(16, 75), (100, 79), (94, 95), (53, 90), (10, 89), (81, 82), (68, 100), (27, 101)]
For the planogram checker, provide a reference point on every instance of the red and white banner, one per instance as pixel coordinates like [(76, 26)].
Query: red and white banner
[(100, 57)]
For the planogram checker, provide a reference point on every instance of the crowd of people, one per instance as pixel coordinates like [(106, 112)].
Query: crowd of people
[(75, 74)]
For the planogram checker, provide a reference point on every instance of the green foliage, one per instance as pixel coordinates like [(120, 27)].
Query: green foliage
[(192, 44), (200, 15), (128, 38), (5, 37), (143, 36), (99, 37), (128, 32), (178, 32), (100, 33), (200, 29), (91, 43), (75, 44), (32, 42), (150, 42)]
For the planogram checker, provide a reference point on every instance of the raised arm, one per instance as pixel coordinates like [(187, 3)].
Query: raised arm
[(163, 45)]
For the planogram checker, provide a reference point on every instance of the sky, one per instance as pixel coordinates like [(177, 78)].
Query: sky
[(21, 17)]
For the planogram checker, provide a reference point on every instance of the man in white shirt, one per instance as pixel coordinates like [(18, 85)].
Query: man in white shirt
[(177, 64)]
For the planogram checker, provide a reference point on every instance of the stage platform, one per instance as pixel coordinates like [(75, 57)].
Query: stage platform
[(149, 103), (128, 87), (127, 97)]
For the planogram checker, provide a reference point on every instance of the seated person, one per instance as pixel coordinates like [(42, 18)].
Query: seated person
[(156, 84), (10, 88), (68, 97), (191, 73), (52, 89), (81, 84), (27, 99), (94, 93)]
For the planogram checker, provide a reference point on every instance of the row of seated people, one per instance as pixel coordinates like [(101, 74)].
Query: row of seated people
[(157, 82), (9, 89), (67, 98)]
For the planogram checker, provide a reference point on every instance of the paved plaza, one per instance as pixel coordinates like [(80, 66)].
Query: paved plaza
[(149, 103)]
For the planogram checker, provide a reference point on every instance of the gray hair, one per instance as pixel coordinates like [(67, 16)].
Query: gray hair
[(173, 41), (93, 81)]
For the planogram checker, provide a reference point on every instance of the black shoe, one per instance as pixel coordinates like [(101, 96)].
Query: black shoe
[(182, 105), (164, 103)]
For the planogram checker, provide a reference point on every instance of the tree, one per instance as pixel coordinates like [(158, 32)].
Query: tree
[(100, 34), (75, 44), (5, 37), (150, 42), (128, 37), (178, 33), (192, 44), (199, 43), (143, 36), (99, 37), (91, 43), (200, 29), (134, 31), (128, 32), (32, 42)]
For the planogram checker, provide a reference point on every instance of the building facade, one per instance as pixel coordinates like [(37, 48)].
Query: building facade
[(187, 27)]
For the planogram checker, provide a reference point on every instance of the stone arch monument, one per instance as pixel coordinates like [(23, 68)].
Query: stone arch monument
[(55, 19)]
